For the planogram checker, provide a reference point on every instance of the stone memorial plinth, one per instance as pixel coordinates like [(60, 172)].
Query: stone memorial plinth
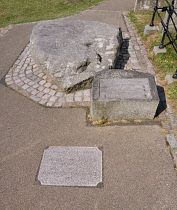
[(145, 5), (71, 166), (70, 52), (120, 94)]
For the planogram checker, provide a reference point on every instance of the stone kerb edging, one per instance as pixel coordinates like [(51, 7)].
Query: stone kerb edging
[(5, 30), (139, 49), (26, 78), (168, 119)]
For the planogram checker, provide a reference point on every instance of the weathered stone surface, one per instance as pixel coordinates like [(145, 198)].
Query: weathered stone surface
[(169, 79), (150, 29), (71, 166), (120, 94), (147, 4), (172, 141), (158, 50), (71, 51), (174, 154)]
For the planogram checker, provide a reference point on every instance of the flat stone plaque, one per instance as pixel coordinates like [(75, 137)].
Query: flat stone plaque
[(124, 89), (71, 166)]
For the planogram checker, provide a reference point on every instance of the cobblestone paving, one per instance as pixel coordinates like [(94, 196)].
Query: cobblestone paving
[(167, 117), (26, 78)]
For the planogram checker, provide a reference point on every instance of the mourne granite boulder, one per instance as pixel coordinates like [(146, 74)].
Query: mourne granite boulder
[(70, 52)]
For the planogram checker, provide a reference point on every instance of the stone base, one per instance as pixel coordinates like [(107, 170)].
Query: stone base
[(120, 94), (169, 79), (150, 29), (157, 50)]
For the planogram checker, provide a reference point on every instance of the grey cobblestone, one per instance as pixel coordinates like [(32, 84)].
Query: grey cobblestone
[(169, 124), (26, 78), (32, 81), (34, 98), (133, 56)]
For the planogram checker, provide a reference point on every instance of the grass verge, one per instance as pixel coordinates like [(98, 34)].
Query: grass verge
[(165, 63), (22, 11)]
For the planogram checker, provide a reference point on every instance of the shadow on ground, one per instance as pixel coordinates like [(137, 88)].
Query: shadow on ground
[(124, 56), (162, 103)]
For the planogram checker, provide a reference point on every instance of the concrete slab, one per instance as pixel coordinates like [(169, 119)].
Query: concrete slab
[(120, 94), (71, 166)]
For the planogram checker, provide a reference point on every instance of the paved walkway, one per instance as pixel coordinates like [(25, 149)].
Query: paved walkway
[(138, 170), (29, 80)]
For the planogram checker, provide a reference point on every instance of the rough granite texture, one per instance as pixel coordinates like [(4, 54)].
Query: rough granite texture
[(70, 52), (121, 94), (150, 29), (71, 166)]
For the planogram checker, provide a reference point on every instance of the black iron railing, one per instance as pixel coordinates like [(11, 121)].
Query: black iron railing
[(169, 20)]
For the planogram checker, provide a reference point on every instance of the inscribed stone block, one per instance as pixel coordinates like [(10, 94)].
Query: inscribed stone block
[(71, 166), (121, 94)]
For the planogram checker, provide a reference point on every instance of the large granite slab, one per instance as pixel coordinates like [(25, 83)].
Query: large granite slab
[(71, 166), (70, 52), (120, 94)]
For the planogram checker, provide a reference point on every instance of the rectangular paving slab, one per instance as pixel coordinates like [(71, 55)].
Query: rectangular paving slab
[(71, 166), (120, 94)]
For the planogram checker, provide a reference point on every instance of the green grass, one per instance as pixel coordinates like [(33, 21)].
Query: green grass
[(103, 120), (165, 63), (140, 22), (21, 11), (172, 90)]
